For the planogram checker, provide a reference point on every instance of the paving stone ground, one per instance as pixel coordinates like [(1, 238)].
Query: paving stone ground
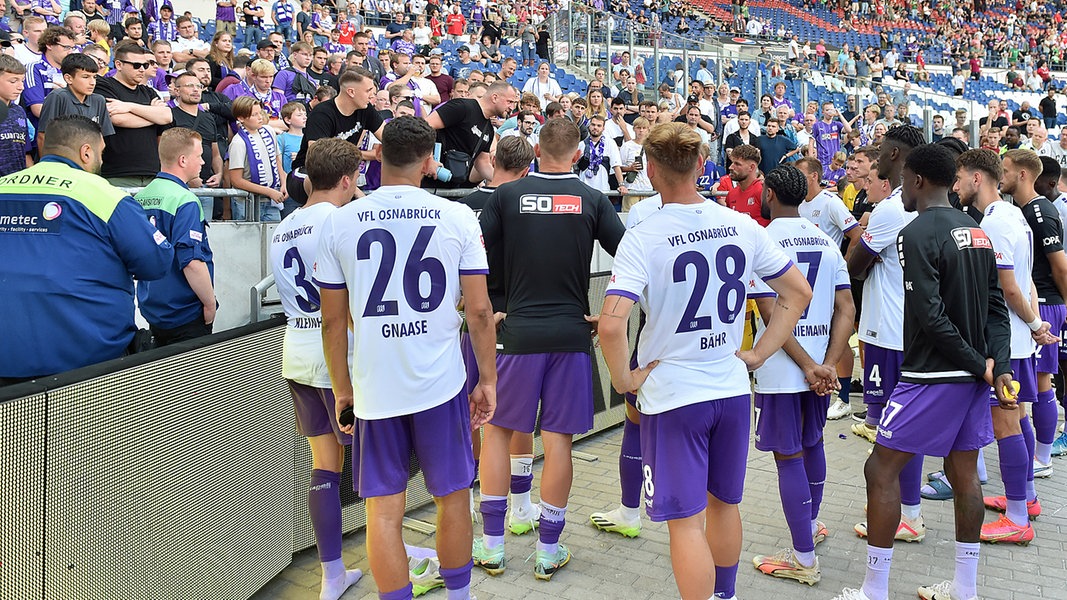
[(609, 566)]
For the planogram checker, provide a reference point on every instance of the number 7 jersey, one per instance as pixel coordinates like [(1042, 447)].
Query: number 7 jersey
[(689, 267), (400, 252)]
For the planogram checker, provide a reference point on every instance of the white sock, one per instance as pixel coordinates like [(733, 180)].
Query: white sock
[(965, 582), (1043, 453), (1031, 491), (876, 583), (551, 549), (630, 514), (911, 512), (806, 559), (463, 593), (521, 503), (982, 474), (492, 541), (334, 588), (814, 527), (419, 552)]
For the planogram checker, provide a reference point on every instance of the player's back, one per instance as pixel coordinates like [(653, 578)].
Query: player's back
[(819, 258), (293, 248), (946, 241), (642, 210), (1012, 242), (696, 261), (400, 252), (883, 291), (829, 214), (546, 226), (1046, 226)]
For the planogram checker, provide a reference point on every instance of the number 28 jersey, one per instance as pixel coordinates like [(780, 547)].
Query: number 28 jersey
[(400, 252), (293, 248), (689, 267)]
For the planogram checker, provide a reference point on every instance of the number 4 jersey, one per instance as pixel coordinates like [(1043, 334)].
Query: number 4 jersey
[(689, 266), (292, 256), (818, 256), (400, 252)]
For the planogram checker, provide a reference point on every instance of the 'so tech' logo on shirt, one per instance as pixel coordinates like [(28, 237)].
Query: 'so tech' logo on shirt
[(550, 205)]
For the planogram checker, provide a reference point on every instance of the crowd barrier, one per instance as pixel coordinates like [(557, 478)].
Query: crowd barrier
[(172, 474)]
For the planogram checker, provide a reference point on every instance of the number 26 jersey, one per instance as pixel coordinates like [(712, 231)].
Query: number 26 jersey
[(400, 252), (689, 267)]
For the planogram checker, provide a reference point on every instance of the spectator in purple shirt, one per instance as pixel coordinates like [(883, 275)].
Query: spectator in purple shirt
[(405, 44), (226, 16), (294, 80), (827, 133), (44, 76), (49, 9), (257, 84)]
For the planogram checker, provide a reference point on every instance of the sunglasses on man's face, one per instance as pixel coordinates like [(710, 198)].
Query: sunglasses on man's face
[(139, 65)]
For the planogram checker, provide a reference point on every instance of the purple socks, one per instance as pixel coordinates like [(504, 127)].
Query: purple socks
[(726, 581), (493, 512), (911, 481), (874, 414), (324, 504), (630, 465), (551, 524), (457, 578), (1013, 468), (815, 468), (796, 496), (1045, 417), (403, 593)]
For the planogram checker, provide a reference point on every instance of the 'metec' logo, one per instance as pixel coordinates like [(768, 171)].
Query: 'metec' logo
[(550, 205)]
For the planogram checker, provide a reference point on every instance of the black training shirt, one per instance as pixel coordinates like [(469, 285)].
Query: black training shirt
[(131, 151), (465, 126), (1044, 220), (326, 121), (476, 200), (545, 225), (954, 310)]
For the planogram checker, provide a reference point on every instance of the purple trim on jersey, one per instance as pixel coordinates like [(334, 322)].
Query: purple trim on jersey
[(622, 293), (854, 224), (1006, 267), (474, 271), (329, 286), (763, 295), (843, 286), (867, 248), (781, 272)]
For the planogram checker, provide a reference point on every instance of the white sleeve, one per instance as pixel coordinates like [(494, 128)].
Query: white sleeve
[(769, 261), (882, 229), (841, 278), (473, 260), (327, 270), (1003, 250), (629, 278), (612, 151), (840, 214), (238, 154)]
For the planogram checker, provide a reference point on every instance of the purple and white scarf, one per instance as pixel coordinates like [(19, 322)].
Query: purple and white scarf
[(263, 170), (596, 156)]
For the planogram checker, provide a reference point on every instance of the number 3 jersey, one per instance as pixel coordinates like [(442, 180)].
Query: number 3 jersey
[(292, 256), (818, 256), (400, 252), (689, 267)]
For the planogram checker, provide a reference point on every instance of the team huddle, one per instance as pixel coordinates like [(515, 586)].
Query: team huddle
[(957, 323)]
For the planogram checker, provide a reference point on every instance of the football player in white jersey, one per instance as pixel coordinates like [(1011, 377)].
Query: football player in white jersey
[(792, 386), (689, 265), (332, 166), (397, 261), (881, 327), (978, 173), (826, 210)]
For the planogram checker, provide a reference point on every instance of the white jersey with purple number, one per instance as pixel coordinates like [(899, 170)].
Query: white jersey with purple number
[(829, 214), (819, 258), (882, 317), (400, 252), (292, 257), (689, 266), (1013, 247)]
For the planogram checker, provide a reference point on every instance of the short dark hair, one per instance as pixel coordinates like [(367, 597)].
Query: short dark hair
[(51, 36), (788, 183), (513, 154), (70, 132), (1050, 168), (906, 135), (933, 163), (129, 48), (78, 62), (406, 141), (330, 159), (558, 138), (983, 160), (355, 75)]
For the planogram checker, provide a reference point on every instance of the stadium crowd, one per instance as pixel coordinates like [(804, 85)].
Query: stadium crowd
[(344, 141)]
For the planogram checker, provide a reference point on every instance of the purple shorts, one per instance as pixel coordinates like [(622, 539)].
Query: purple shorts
[(788, 423), (1026, 374), (936, 419), (440, 437), (469, 361), (562, 382), (316, 412), (1048, 357), (678, 445), (881, 372)]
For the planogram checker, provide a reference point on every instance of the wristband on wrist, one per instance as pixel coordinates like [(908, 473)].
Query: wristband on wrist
[(1035, 324)]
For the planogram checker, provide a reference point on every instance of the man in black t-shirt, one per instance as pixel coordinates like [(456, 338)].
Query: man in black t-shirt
[(130, 157), (545, 226), (1048, 109), (993, 119), (347, 116), (463, 125)]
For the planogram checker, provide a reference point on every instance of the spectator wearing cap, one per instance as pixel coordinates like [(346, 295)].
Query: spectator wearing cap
[(164, 28), (188, 45), (730, 110), (130, 156), (252, 17), (77, 97), (443, 81), (463, 68), (44, 76), (258, 84), (266, 51)]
